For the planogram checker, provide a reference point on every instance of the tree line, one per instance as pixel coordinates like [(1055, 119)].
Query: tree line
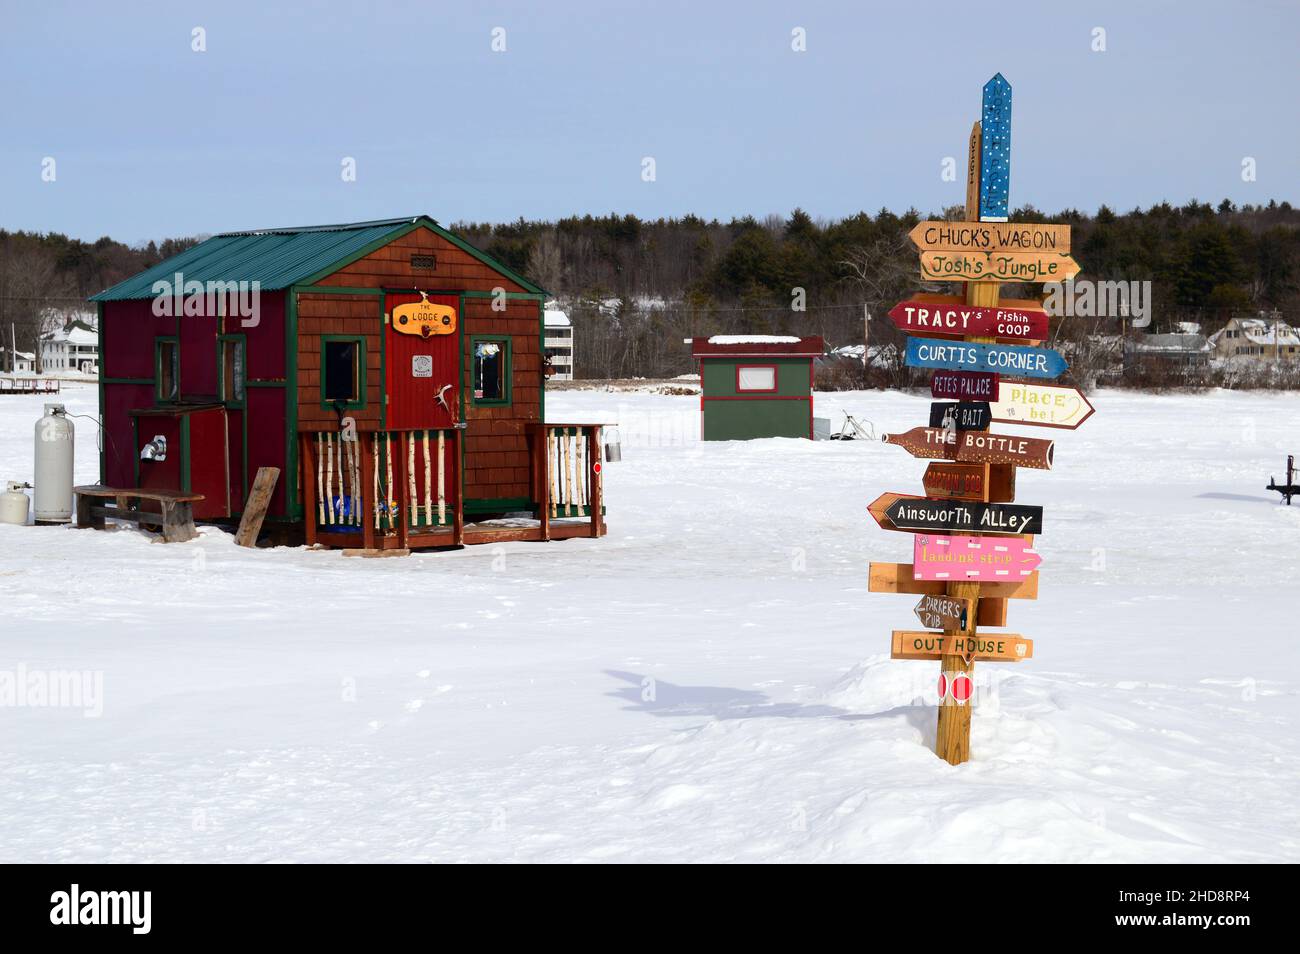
[(635, 288)]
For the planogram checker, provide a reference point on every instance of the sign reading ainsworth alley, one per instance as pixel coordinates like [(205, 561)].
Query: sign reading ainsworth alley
[(920, 515)]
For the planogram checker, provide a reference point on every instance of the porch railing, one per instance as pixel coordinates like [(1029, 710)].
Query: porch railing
[(566, 475), (382, 488)]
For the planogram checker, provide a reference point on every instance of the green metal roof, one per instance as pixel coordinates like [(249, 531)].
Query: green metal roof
[(278, 258)]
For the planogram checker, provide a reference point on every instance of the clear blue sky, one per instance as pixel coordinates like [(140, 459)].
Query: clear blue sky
[(152, 139)]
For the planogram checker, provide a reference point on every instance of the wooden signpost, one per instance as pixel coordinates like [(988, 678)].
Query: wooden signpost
[(942, 557), (964, 385), (998, 266), (999, 647), (951, 317), (1043, 405), (937, 612), (920, 515), (963, 415), (990, 237), (970, 482), (1014, 360), (966, 578)]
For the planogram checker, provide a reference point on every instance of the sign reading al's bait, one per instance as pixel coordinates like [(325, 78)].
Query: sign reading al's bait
[(947, 516), (973, 356), (964, 415)]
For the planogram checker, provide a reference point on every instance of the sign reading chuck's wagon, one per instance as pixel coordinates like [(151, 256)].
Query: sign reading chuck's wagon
[(990, 237)]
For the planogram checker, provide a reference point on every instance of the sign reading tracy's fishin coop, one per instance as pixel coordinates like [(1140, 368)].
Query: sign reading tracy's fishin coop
[(972, 546)]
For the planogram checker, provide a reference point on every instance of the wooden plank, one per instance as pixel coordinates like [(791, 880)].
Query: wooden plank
[(988, 647), (997, 267), (990, 237), (1042, 405), (898, 578), (259, 498), (940, 612)]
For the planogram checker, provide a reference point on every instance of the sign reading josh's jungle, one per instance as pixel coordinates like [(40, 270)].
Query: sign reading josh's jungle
[(997, 266), (971, 356), (920, 515)]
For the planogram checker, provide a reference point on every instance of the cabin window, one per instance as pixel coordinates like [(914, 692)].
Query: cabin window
[(342, 372), (756, 377), (491, 370), (167, 369), (231, 369)]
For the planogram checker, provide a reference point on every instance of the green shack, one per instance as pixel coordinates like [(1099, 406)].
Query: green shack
[(756, 386)]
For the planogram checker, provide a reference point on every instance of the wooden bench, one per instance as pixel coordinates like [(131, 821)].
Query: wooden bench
[(175, 513)]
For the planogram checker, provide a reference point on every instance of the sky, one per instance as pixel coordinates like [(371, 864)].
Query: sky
[(151, 138)]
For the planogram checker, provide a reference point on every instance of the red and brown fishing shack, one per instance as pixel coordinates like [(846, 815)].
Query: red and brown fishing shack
[(391, 371)]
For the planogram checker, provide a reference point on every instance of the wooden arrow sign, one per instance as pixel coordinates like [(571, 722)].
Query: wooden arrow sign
[(990, 237), (919, 515), (928, 442), (967, 482), (964, 385), (971, 559), (942, 612), (901, 578), (1044, 405), (989, 647), (952, 316), (998, 266), (878, 508), (974, 356), (963, 415), (980, 447)]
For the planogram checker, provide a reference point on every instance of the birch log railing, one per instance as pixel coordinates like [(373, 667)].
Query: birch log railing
[(382, 489), (566, 479)]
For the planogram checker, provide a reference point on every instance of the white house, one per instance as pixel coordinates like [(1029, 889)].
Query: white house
[(558, 342), (75, 348), (24, 361), (1257, 340)]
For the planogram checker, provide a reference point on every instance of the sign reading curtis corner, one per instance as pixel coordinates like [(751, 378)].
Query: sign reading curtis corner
[(972, 356), (424, 318)]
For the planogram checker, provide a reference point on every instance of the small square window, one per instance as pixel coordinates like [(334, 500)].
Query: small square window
[(756, 378)]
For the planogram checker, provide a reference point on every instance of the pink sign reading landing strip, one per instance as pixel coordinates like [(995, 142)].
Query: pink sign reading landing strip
[(961, 558)]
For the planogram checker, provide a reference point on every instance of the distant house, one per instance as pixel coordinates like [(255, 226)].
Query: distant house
[(1180, 351), (24, 362), (558, 342), (74, 348), (1257, 340)]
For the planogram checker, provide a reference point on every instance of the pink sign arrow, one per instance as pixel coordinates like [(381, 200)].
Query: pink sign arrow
[(969, 559)]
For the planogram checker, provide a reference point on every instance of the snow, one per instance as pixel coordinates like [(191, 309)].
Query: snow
[(709, 682), (753, 339)]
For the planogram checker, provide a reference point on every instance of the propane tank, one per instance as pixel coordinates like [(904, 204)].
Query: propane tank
[(52, 498), (13, 504)]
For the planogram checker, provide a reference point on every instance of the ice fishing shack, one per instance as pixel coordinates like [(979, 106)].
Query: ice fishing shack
[(756, 385), (389, 369)]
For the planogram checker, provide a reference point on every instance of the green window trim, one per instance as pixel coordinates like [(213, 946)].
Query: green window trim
[(242, 342), (507, 387), (158, 345), (360, 342)]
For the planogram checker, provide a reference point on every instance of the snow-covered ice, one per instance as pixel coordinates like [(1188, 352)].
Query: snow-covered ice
[(709, 682)]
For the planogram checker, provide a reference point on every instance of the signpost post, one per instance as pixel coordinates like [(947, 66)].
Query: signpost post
[(972, 546)]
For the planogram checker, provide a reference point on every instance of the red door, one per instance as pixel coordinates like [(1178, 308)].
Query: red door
[(422, 354)]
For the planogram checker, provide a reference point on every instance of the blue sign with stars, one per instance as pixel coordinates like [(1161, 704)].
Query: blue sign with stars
[(995, 150)]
